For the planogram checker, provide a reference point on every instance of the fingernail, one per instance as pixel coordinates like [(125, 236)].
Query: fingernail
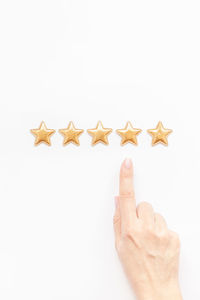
[(127, 163)]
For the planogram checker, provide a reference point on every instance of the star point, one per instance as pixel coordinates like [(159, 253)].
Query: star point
[(159, 134), (99, 134), (42, 134), (71, 134), (128, 134)]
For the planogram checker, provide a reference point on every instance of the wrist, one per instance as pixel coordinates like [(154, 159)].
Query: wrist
[(171, 292)]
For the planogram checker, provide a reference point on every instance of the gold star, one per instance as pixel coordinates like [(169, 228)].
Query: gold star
[(128, 134), (42, 134), (71, 134), (99, 134), (159, 134)]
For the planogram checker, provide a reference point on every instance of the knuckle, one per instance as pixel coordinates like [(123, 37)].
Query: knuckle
[(149, 231), (128, 233), (163, 236), (157, 234), (133, 232), (127, 194), (116, 219)]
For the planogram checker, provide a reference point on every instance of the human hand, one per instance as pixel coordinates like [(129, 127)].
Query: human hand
[(148, 250)]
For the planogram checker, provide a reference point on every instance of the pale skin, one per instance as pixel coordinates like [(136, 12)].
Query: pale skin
[(148, 250)]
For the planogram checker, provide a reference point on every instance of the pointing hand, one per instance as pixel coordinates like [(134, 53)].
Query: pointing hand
[(148, 250)]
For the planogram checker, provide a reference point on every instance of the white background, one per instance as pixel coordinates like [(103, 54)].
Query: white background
[(86, 61)]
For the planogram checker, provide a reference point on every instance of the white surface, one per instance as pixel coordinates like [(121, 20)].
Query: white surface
[(87, 61)]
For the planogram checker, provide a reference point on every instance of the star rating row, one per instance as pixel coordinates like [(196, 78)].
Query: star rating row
[(100, 134)]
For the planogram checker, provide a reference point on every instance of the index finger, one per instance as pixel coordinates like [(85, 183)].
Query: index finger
[(126, 178), (127, 202)]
